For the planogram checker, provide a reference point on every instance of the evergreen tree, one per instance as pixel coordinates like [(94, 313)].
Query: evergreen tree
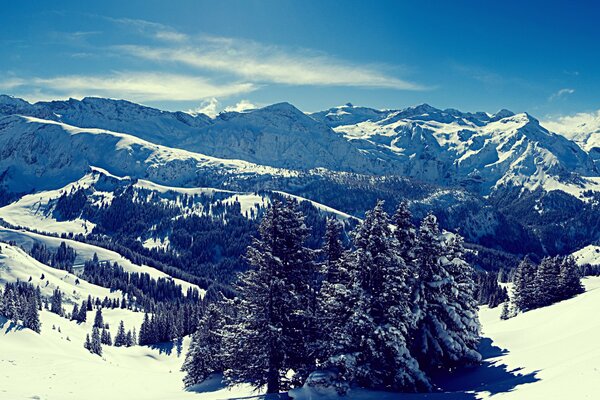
[(98, 319), (372, 344), (82, 315), (75, 313), (88, 343), (447, 329), (547, 282), (56, 302), (121, 337), (505, 311), (270, 334), (31, 319), (105, 337), (524, 286), (405, 232), (569, 280), (96, 342), (206, 354)]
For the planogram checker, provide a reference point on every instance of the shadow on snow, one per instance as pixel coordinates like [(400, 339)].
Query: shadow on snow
[(489, 376), (461, 384)]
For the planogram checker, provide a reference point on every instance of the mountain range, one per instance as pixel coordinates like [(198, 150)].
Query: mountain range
[(503, 180)]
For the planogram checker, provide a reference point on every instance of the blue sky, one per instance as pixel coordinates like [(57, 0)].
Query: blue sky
[(540, 57)]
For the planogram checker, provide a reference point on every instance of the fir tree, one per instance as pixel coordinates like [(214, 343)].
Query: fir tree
[(270, 334), (98, 319), (105, 337), (524, 286), (31, 319), (121, 337), (447, 329), (569, 280), (56, 302), (206, 354), (96, 342)]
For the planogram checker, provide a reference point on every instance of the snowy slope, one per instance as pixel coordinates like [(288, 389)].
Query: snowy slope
[(44, 154), (86, 252), (16, 265), (588, 255), (557, 344), (54, 364), (583, 129)]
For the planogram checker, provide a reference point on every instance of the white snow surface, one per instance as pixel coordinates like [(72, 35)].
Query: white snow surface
[(587, 255), (549, 353), (85, 252)]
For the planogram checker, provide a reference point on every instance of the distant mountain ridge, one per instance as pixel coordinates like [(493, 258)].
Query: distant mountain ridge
[(479, 151), (502, 179)]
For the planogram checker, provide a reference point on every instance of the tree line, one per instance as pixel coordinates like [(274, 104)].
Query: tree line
[(387, 312)]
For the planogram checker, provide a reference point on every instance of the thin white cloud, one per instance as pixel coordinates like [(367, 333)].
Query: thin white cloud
[(137, 86), (574, 124), (241, 106), (561, 93), (262, 63), (11, 83)]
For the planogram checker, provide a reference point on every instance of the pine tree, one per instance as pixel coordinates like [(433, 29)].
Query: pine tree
[(206, 354), (270, 334), (505, 311), (88, 343), (31, 319), (447, 329), (546, 282), (75, 313), (105, 337), (569, 280), (372, 345), (82, 316), (96, 342), (405, 232), (56, 302), (121, 337), (98, 319), (524, 286)]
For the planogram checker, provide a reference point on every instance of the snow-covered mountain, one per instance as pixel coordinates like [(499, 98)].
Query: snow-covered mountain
[(583, 129), (499, 175), (479, 151)]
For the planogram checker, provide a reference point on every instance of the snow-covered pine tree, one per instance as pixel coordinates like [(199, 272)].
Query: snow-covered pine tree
[(405, 232), (269, 335), (332, 250), (105, 337), (98, 319), (524, 286), (31, 318), (375, 334), (121, 337), (505, 311), (569, 280), (82, 315), (462, 318), (334, 301), (56, 302), (88, 343), (447, 330), (75, 312), (546, 282), (206, 354), (96, 342)]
